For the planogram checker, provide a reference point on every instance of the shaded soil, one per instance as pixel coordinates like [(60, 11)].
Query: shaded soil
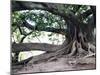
[(60, 64)]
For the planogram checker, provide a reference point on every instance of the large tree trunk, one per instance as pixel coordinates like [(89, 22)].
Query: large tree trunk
[(76, 45)]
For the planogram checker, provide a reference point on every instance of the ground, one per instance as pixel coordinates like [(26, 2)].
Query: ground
[(60, 64)]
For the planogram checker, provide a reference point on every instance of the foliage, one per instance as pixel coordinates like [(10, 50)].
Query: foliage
[(39, 18)]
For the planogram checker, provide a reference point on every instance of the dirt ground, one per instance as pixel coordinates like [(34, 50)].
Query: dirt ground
[(61, 64)]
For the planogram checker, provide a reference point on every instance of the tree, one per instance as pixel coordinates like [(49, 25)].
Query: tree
[(76, 22)]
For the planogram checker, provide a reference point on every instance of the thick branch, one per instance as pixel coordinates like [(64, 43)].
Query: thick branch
[(48, 29), (23, 62), (51, 7), (34, 46), (22, 5)]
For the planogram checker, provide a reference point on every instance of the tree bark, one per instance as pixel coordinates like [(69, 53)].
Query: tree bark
[(19, 47), (76, 46), (47, 29)]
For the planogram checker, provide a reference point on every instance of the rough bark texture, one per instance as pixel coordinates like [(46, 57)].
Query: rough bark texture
[(19, 47), (77, 52)]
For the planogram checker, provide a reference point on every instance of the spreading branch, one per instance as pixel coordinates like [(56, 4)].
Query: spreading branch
[(47, 29), (34, 46)]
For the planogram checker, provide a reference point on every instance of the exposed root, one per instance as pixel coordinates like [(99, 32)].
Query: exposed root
[(77, 47), (73, 49), (61, 52), (90, 55), (91, 48)]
